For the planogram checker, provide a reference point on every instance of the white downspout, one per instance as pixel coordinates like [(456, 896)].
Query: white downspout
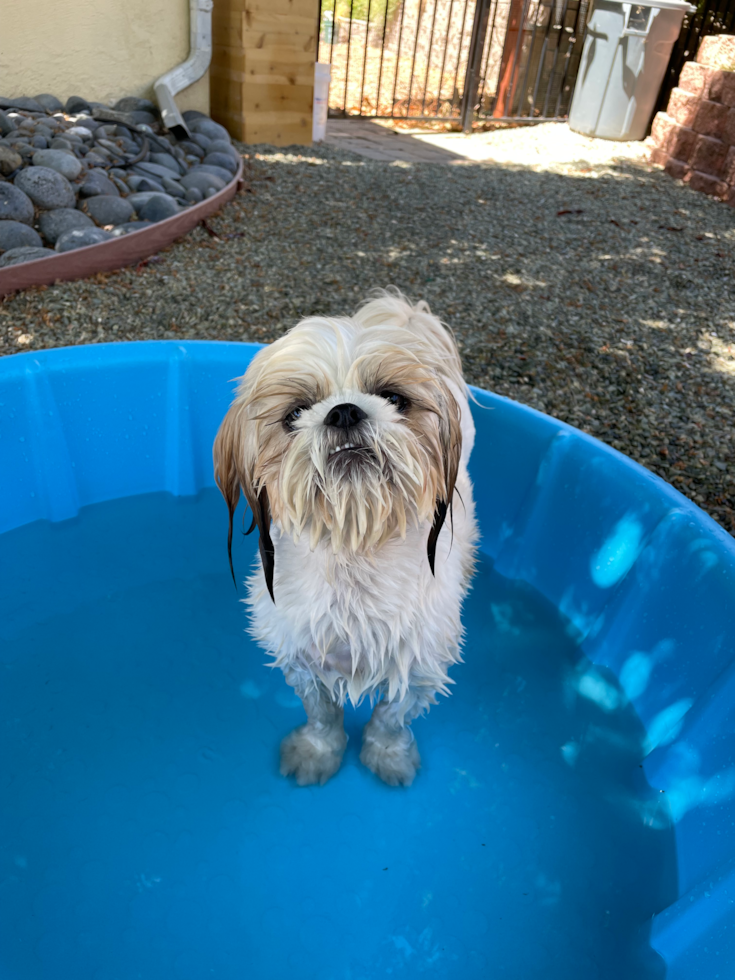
[(189, 71)]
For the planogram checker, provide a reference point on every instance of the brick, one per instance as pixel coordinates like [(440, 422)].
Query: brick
[(709, 155), (658, 156), (731, 198), (676, 168), (682, 107), (728, 130), (727, 95), (710, 118), (717, 51), (728, 167), (708, 184), (694, 78)]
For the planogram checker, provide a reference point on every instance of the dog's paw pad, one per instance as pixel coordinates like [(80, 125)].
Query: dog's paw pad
[(394, 758), (311, 756)]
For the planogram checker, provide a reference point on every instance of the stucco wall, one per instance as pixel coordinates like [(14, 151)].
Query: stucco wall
[(99, 49)]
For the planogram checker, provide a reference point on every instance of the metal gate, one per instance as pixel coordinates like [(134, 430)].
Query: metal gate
[(452, 60)]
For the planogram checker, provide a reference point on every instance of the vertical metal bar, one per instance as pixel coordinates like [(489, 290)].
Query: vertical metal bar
[(567, 59), (349, 45), (364, 60), (524, 87), (382, 52), (444, 57), (428, 60), (511, 88), (491, 35), (334, 28), (398, 58), (413, 60), (474, 59), (459, 49)]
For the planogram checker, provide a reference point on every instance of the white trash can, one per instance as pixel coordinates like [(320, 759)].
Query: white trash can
[(322, 74), (626, 50)]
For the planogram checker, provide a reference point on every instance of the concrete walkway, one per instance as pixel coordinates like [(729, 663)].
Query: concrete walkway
[(546, 146)]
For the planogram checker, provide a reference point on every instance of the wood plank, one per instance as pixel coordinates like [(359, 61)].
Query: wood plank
[(278, 98), (281, 129)]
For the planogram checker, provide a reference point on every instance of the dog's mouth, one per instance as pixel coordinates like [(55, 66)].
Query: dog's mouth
[(348, 447)]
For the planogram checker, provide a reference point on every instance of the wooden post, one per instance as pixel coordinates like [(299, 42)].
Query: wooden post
[(262, 74)]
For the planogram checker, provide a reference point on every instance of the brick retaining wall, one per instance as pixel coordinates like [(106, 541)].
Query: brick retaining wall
[(694, 140)]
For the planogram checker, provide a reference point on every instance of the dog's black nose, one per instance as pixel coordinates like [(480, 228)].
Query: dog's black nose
[(345, 416)]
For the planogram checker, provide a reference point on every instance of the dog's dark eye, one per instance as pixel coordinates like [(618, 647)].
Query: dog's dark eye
[(397, 401), (294, 414)]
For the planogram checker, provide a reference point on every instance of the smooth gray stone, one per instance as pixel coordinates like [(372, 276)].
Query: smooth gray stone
[(202, 182), (189, 115), (81, 131), (208, 168), (210, 129), (10, 160), (145, 184), (173, 188), (139, 118), (129, 227), (106, 210), (61, 143), (25, 150), (15, 205), (97, 183), (46, 131), (22, 103), (49, 102), (26, 253), (158, 208), (194, 195), (166, 160), (14, 234), (118, 172), (93, 159), (139, 198), (54, 224), (80, 238), (46, 188), (39, 142), (132, 104), (220, 146), (192, 149), (6, 125), (61, 161), (152, 169), (204, 141), (75, 104), (121, 185), (223, 161), (211, 192)]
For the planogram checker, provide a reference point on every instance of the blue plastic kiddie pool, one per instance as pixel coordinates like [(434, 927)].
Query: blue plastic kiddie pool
[(574, 818)]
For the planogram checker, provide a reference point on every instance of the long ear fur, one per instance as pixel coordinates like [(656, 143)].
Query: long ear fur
[(233, 473), (450, 435)]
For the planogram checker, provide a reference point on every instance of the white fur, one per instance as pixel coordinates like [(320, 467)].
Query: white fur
[(372, 622)]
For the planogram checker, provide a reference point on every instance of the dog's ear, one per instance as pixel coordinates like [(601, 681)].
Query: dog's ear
[(233, 471), (450, 437)]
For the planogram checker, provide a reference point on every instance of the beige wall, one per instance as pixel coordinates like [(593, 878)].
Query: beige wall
[(99, 49)]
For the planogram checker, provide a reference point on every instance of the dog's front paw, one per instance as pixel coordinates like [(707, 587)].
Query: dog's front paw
[(391, 755), (312, 755)]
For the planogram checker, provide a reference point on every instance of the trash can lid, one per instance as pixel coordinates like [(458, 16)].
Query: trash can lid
[(688, 8)]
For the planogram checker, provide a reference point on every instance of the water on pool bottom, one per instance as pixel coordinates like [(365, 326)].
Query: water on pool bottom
[(146, 832)]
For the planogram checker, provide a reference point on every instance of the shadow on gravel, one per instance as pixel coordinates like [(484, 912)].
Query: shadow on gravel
[(602, 296)]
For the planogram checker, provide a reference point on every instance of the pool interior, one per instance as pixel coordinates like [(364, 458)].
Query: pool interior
[(147, 833)]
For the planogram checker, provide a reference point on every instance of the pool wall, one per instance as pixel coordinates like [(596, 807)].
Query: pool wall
[(645, 578)]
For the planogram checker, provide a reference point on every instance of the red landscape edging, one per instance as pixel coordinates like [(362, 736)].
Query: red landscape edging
[(115, 253)]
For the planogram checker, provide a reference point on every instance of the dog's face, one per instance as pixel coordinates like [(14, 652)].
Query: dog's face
[(345, 430)]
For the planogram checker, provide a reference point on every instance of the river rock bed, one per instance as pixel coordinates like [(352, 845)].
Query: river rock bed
[(79, 173)]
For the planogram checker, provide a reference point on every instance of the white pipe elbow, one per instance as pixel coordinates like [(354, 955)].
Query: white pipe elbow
[(189, 71)]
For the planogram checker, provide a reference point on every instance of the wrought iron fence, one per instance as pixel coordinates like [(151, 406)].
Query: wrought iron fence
[(453, 60), (710, 17)]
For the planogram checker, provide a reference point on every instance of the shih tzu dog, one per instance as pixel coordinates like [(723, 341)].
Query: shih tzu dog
[(349, 439)]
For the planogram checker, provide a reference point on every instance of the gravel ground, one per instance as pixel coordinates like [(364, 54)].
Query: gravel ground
[(601, 293)]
